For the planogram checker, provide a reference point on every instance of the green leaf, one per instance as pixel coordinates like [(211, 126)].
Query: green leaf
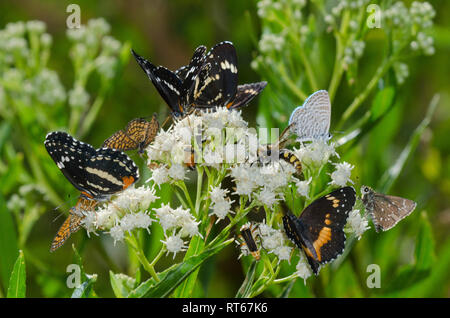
[(392, 174), (383, 100), (185, 289), (244, 290), (175, 275), (85, 289), (8, 243), (424, 254), (17, 282), (121, 284)]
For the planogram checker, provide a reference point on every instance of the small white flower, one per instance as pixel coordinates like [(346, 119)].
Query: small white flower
[(177, 172), (342, 174), (357, 224), (160, 175), (117, 233), (267, 197), (89, 222), (303, 187), (303, 268), (317, 153), (174, 244), (190, 228), (283, 252), (217, 194), (221, 209), (167, 219)]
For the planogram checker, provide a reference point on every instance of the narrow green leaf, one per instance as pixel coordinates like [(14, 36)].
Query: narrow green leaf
[(424, 252), (17, 282), (185, 289), (8, 243), (121, 284), (244, 290), (175, 275), (392, 174), (85, 289)]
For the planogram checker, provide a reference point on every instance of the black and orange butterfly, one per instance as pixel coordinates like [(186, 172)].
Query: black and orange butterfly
[(138, 134), (208, 81), (319, 230)]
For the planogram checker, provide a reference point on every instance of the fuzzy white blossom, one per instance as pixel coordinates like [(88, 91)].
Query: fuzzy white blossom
[(303, 187), (174, 244), (341, 175), (357, 224), (303, 270), (160, 176), (316, 153)]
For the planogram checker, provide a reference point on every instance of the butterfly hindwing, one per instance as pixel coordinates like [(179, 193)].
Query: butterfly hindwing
[(311, 121), (245, 93)]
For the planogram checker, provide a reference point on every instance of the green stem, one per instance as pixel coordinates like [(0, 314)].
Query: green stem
[(93, 111), (367, 90), (131, 240), (159, 255)]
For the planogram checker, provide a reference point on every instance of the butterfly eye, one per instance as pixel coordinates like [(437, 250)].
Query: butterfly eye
[(365, 190)]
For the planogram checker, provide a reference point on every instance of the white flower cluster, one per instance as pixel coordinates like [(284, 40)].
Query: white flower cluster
[(413, 24), (123, 213), (221, 205), (357, 224), (210, 139), (316, 153), (353, 52), (274, 242), (270, 42), (177, 224), (341, 175)]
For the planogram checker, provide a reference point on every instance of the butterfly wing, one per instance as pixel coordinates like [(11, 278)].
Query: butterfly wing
[(70, 155), (168, 84), (120, 141), (97, 173), (323, 224), (311, 121), (219, 86), (107, 172), (245, 93), (187, 73), (387, 210)]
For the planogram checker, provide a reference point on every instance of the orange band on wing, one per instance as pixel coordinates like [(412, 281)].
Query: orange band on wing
[(324, 238)]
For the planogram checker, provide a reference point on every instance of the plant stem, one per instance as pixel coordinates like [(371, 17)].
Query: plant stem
[(367, 90), (141, 256)]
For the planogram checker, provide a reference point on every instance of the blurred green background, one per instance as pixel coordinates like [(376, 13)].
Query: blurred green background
[(167, 32)]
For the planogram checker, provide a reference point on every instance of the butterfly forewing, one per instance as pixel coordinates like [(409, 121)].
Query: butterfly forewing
[(311, 121), (165, 81), (219, 87)]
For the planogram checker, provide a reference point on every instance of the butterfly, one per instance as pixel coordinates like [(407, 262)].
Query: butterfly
[(138, 134), (319, 230), (385, 210), (73, 222), (311, 121), (208, 81), (97, 173), (269, 152), (249, 240)]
